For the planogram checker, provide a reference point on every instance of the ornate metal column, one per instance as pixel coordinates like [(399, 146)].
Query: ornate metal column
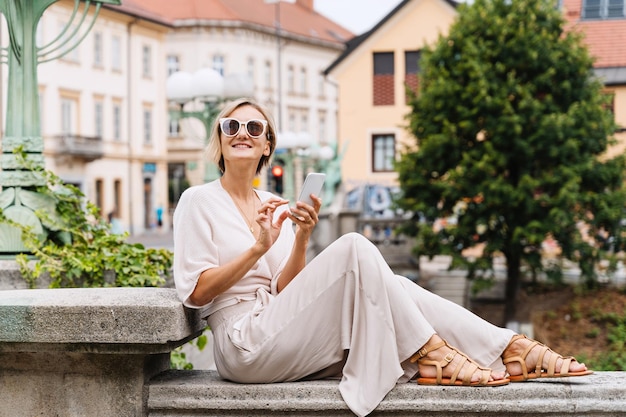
[(18, 199)]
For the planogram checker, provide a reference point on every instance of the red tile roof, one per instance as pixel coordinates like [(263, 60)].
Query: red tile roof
[(606, 39), (297, 18), (135, 8)]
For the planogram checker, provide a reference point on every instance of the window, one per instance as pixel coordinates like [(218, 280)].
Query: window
[(98, 118), (303, 81), (146, 59), (117, 121), (251, 69), (116, 53), (411, 70), (117, 196), (383, 79), (383, 152), (292, 122), (97, 49), (291, 79), (603, 9), (321, 127), (99, 193), (321, 84), (218, 64), (69, 116), (174, 128), (304, 122), (147, 125), (267, 75), (172, 64)]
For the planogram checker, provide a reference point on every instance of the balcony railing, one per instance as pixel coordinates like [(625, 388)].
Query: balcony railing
[(88, 148)]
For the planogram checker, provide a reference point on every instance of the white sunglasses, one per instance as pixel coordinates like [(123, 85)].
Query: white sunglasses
[(231, 127)]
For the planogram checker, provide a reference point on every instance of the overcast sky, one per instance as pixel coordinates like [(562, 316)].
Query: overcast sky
[(357, 16)]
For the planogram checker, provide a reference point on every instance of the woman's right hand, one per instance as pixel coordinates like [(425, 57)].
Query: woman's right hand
[(270, 227)]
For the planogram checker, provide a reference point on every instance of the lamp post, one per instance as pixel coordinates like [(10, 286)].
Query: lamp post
[(300, 154), (205, 91)]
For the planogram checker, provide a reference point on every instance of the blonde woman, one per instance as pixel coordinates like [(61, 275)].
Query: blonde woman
[(345, 314)]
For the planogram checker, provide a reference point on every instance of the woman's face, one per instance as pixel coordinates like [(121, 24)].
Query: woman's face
[(243, 145)]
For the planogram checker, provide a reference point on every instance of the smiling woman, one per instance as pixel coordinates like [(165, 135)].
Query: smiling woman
[(240, 258)]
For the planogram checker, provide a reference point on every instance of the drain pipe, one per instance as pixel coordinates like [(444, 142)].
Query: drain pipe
[(129, 119)]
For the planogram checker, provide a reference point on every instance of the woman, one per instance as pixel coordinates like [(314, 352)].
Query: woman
[(345, 314)]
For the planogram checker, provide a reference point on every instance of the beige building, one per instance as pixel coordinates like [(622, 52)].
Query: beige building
[(376, 66), (281, 48), (371, 75)]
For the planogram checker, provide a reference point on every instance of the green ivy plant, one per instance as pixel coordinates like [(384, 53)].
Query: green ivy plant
[(81, 251), (178, 358)]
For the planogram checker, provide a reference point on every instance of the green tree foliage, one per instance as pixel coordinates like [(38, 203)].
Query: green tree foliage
[(512, 129)]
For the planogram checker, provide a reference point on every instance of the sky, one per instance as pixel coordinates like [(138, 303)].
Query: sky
[(357, 16)]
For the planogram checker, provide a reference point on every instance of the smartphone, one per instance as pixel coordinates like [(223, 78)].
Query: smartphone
[(313, 184)]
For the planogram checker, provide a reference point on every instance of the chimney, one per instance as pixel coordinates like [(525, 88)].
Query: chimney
[(307, 4)]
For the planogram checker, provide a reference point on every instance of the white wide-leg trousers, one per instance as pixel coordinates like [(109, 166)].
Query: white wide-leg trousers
[(346, 314)]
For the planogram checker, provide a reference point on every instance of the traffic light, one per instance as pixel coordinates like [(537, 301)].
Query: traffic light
[(276, 174)]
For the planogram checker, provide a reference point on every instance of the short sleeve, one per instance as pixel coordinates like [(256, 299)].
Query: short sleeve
[(194, 249)]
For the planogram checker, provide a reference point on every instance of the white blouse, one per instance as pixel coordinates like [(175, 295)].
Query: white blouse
[(209, 231)]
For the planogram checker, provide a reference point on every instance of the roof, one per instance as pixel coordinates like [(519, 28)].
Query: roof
[(295, 18), (355, 42), (605, 38), (135, 8)]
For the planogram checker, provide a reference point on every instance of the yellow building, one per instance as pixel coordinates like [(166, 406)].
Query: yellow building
[(372, 74), (376, 66)]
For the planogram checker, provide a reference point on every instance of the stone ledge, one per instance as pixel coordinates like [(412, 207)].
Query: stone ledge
[(142, 320), (187, 393)]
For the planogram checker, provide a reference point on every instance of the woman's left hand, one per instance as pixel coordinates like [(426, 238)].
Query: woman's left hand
[(306, 216)]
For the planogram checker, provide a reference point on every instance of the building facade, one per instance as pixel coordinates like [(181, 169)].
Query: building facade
[(105, 116), (281, 48), (101, 104)]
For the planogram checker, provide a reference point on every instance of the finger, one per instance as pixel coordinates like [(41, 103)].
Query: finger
[(317, 202)]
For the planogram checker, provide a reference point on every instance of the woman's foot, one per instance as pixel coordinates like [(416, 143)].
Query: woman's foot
[(526, 359), (441, 364)]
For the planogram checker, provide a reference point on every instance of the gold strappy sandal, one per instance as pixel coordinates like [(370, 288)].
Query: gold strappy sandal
[(539, 371), (468, 365)]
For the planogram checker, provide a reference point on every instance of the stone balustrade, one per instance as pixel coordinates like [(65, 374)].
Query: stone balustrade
[(104, 352)]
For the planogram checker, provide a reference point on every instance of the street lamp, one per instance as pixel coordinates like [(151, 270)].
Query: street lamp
[(299, 153), (205, 91)]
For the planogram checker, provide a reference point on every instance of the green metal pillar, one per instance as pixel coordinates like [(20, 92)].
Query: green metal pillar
[(18, 198)]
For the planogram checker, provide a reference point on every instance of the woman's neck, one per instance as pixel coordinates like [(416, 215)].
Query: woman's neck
[(237, 185)]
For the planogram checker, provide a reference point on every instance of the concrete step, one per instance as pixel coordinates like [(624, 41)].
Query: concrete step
[(203, 393)]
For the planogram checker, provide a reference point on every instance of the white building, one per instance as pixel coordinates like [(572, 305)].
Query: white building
[(104, 112), (283, 47), (101, 106)]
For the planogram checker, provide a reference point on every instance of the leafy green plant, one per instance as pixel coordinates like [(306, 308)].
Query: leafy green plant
[(178, 358), (80, 250)]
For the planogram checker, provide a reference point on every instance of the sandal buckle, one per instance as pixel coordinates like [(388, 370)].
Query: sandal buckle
[(448, 358), (422, 352)]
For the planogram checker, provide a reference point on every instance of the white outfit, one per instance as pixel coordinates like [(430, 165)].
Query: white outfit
[(346, 314)]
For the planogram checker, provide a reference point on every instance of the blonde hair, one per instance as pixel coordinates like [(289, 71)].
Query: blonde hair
[(214, 148)]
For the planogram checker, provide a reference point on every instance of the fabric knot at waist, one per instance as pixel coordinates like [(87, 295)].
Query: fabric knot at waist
[(242, 306)]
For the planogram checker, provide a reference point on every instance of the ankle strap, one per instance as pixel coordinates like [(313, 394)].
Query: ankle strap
[(424, 351)]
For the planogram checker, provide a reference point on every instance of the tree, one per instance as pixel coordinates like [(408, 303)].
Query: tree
[(511, 133)]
